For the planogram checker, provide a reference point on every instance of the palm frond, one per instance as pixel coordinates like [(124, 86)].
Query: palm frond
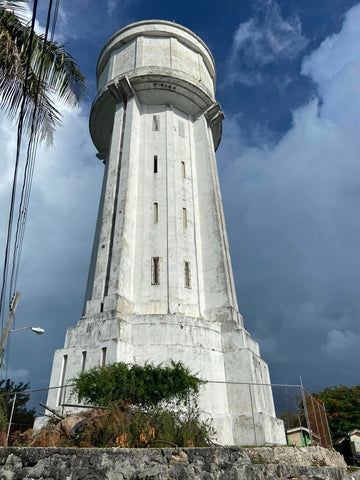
[(49, 61), (10, 61), (14, 5), (60, 70)]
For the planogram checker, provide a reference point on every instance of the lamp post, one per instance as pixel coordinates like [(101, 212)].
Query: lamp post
[(37, 330), (9, 320)]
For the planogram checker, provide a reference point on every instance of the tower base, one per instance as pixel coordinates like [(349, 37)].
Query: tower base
[(237, 397)]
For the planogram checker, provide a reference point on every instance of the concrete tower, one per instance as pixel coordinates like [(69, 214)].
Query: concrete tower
[(160, 284)]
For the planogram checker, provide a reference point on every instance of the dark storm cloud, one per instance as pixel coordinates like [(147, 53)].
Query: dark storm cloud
[(292, 212), (291, 198), (58, 240)]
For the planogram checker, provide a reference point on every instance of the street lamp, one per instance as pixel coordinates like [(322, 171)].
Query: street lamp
[(37, 330), (7, 330)]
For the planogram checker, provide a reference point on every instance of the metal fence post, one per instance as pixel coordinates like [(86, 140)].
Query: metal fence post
[(328, 428), (306, 410), (323, 433), (10, 419), (63, 400), (252, 413), (315, 416)]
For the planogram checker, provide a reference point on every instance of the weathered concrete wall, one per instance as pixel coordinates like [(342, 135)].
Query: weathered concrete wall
[(161, 286), (312, 463)]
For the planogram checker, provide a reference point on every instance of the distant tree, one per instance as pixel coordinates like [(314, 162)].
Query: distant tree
[(21, 415), (342, 407)]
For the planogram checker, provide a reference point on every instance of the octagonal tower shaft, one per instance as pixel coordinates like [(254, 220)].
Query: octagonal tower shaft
[(161, 245), (160, 283)]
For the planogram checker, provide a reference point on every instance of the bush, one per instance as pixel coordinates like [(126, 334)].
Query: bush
[(130, 427), (146, 406), (144, 386)]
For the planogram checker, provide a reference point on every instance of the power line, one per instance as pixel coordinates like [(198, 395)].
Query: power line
[(18, 144), (30, 158), (54, 20), (29, 165)]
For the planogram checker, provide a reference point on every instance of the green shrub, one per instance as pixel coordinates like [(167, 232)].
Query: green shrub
[(146, 385), (146, 406)]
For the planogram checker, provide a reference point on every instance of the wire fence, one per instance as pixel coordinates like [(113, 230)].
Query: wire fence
[(304, 418), (317, 420)]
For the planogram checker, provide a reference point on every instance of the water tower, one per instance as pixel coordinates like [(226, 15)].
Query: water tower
[(160, 284)]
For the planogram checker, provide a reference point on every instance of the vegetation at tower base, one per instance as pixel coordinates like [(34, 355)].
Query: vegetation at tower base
[(22, 418), (342, 407), (141, 406), (146, 405), (52, 71), (146, 385)]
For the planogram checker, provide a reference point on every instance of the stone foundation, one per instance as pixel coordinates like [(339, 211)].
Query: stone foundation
[(312, 463)]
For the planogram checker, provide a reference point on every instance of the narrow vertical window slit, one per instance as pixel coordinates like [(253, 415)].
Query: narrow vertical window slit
[(156, 123), (83, 361), (155, 164), (155, 271), (187, 274), (103, 356), (184, 218)]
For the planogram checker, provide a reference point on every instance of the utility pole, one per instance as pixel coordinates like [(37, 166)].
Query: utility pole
[(9, 321)]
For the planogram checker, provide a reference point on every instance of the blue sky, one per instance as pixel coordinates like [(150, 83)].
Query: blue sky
[(289, 165)]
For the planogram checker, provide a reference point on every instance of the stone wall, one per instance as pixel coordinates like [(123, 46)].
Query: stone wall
[(313, 463)]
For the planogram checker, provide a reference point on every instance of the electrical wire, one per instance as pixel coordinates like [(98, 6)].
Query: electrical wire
[(29, 164), (29, 167), (56, 12), (17, 159)]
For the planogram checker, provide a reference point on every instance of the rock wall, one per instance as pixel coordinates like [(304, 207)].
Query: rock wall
[(313, 463)]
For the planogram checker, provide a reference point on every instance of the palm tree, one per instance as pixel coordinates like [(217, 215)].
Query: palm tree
[(51, 71)]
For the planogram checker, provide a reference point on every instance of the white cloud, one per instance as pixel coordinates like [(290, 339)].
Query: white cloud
[(249, 78), (340, 343), (336, 52), (268, 36), (111, 5), (297, 254), (27, 14), (335, 68)]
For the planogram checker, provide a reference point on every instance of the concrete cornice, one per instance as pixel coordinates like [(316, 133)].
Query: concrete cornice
[(156, 86), (156, 28)]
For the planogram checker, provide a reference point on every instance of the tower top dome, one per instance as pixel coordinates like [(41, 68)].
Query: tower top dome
[(160, 62), (157, 28)]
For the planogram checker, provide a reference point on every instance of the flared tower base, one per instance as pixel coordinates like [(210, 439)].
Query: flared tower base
[(237, 397)]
